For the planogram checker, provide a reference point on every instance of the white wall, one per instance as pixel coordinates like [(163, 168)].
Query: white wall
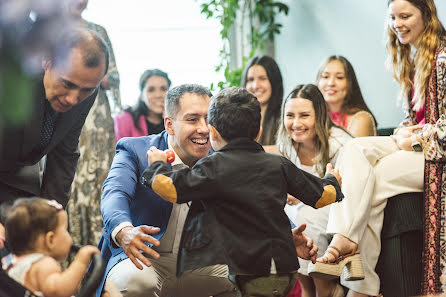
[(171, 35), (315, 29)]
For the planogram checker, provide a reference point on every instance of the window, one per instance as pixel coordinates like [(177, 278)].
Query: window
[(170, 35)]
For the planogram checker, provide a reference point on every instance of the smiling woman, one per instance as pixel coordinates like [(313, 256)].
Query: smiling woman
[(406, 21), (146, 116), (337, 81), (262, 78), (308, 138)]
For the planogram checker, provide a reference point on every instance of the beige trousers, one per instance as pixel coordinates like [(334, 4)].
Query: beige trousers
[(159, 280), (373, 169)]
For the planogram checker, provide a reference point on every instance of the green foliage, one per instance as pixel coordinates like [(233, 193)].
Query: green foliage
[(16, 89), (261, 15)]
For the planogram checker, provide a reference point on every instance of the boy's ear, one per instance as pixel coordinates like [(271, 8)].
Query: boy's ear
[(168, 124), (213, 133), (260, 134)]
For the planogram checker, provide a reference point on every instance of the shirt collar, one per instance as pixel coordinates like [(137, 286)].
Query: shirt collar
[(177, 160)]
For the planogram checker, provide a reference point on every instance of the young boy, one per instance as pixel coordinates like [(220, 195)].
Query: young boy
[(237, 216)]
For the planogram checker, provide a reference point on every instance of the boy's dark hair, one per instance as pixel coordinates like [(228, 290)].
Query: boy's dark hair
[(235, 112)]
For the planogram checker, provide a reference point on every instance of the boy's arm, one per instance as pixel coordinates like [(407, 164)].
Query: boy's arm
[(180, 186), (311, 190)]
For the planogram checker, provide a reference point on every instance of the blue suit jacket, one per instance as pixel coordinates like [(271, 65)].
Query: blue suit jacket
[(124, 198)]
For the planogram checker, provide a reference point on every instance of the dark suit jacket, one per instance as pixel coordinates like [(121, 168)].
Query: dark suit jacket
[(237, 215), (19, 167)]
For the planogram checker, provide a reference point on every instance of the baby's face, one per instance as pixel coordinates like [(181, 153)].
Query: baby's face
[(62, 238)]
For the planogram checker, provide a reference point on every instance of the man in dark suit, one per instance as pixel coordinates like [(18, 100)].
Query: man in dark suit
[(63, 95)]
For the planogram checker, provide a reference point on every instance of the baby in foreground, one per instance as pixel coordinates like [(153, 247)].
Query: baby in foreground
[(37, 237)]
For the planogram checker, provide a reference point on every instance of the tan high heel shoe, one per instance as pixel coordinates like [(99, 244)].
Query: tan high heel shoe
[(348, 266)]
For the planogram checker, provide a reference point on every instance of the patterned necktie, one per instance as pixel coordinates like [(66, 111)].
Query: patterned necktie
[(49, 120)]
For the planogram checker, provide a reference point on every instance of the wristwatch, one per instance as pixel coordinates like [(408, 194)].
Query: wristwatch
[(416, 144)]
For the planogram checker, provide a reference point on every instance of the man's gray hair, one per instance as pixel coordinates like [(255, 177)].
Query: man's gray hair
[(92, 46)]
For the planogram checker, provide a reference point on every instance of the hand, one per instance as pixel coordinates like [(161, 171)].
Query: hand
[(403, 142), (408, 131), (291, 200), (154, 154), (334, 172), (85, 253), (305, 248), (2, 236), (134, 239)]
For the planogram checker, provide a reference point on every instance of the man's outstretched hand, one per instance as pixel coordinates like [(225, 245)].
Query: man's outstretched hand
[(305, 248), (133, 240)]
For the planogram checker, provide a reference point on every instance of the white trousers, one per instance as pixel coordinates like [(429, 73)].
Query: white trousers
[(316, 221), (373, 169), (159, 280)]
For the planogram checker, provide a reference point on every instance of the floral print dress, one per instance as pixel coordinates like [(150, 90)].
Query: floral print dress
[(433, 142), (96, 146)]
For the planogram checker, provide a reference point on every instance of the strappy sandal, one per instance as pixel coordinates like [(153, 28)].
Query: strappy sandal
[(348, 266)]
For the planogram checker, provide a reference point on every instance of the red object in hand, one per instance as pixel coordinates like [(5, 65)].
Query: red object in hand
[(170, 156)]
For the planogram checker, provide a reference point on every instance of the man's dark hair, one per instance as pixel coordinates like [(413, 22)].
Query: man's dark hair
[(235, 112), (172, 102), (93, 48)]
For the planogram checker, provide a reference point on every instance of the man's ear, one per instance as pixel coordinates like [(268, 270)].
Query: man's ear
[(260, 134), (168, 124), (46, 64), (215, 135)]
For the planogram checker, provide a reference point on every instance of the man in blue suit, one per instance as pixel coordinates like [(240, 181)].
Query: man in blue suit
[(140, 225)]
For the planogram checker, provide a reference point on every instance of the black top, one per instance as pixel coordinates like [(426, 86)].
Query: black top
[(154, 128), (237, 215)]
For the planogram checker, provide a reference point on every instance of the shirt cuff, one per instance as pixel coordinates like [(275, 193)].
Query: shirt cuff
[(119, 228)]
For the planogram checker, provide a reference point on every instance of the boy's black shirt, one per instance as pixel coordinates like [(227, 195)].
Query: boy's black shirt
[(237, 216)]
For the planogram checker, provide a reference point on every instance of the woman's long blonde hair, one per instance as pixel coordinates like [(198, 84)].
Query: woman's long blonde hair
[(414, 71), (323, 124)]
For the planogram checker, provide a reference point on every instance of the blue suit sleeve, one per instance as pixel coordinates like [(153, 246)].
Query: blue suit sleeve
[(119, 187)]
